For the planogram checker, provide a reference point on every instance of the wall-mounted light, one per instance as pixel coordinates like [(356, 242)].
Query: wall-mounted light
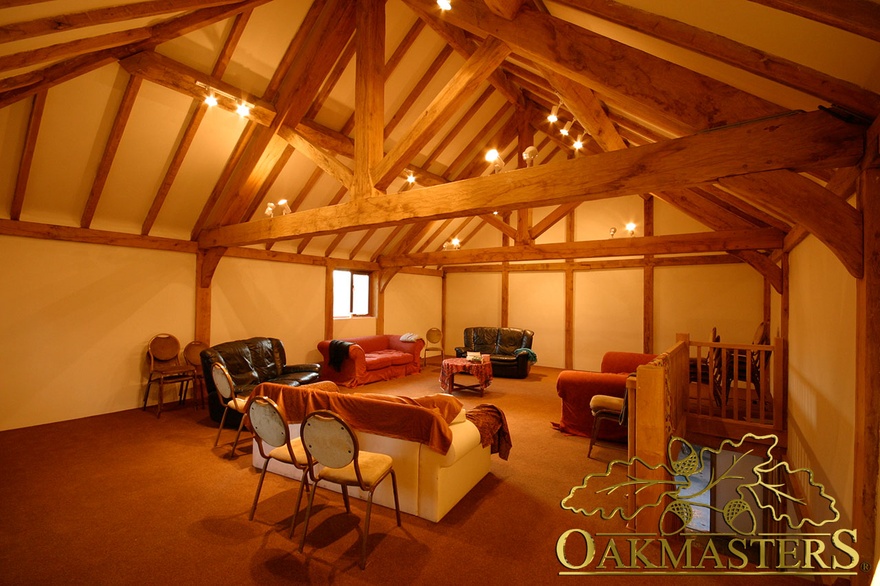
[(631, 228), (495, 158), (565, 129), (444, 4)]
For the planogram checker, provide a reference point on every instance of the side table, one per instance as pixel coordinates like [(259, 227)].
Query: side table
[(482, 371)]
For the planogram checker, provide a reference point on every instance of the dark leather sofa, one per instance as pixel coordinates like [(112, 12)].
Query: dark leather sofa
[(509, 349), (251, 362)]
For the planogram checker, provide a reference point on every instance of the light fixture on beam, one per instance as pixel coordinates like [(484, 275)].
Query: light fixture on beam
[(529, 155), (554, 114), (452, 244), (410, 178), (272, 207), (444, 4), (242, 108), (612, 231), (579, 143), (631, 228), (495, 158), (565, 129)]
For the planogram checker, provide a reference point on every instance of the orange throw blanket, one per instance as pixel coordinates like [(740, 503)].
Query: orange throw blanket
[(424, 419)]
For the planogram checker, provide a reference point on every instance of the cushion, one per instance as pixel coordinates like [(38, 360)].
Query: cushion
[(397, 357), (509, 339), (377, 361), (606, 403)]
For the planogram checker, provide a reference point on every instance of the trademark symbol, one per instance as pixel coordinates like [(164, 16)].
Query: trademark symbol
[(866, 566)]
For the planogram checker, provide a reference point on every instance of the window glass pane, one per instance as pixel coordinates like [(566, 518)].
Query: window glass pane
[(360, 300), (341, 293)]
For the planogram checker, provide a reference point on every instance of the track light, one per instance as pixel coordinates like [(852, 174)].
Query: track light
[(444, 4), (579, 143), (564, 130), (554, 114), (242, 109)]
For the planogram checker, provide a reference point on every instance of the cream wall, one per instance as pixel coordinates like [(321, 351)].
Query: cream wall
[(263, 298), (608, 308), (695, 299), (77, 318), (821, 369), (472, 299), (76, 321), (413, 304), (607, 315), (537, 303)]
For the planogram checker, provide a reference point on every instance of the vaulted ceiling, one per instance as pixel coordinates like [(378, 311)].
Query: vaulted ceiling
[(749, 116)]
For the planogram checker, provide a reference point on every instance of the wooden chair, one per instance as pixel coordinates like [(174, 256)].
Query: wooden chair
[(163, 354), (329, 441), (271, 429)]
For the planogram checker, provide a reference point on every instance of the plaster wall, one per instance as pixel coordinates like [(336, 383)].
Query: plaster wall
[(821, 370), (76, 321), (537, 303), (413, 304), (472, 299), (264, 298), (81, 316)]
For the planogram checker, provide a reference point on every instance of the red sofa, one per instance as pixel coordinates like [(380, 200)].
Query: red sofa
[(371, 359), (577, 387)]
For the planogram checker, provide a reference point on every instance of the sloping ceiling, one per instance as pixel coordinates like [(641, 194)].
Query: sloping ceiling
[(749, 116)]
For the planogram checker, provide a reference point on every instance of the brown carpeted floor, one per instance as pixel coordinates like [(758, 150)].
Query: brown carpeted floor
[(127, 498)]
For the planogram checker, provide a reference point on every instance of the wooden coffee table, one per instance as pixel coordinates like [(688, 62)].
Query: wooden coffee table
[(482, 371)]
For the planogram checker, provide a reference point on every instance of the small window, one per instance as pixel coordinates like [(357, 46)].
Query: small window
[(351, 293)]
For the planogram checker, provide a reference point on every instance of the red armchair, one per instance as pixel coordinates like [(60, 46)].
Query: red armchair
[(577, 387)]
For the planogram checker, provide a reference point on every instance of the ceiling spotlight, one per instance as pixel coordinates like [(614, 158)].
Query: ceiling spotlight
[(529, 155), (631, 228), (211, 100), (554, 114), (410, 178), (270, 210), (564, 130), (444, 4), (285, 209), (493, 157), (453, 244), (612, 231), (243, 110), (579, 143)]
